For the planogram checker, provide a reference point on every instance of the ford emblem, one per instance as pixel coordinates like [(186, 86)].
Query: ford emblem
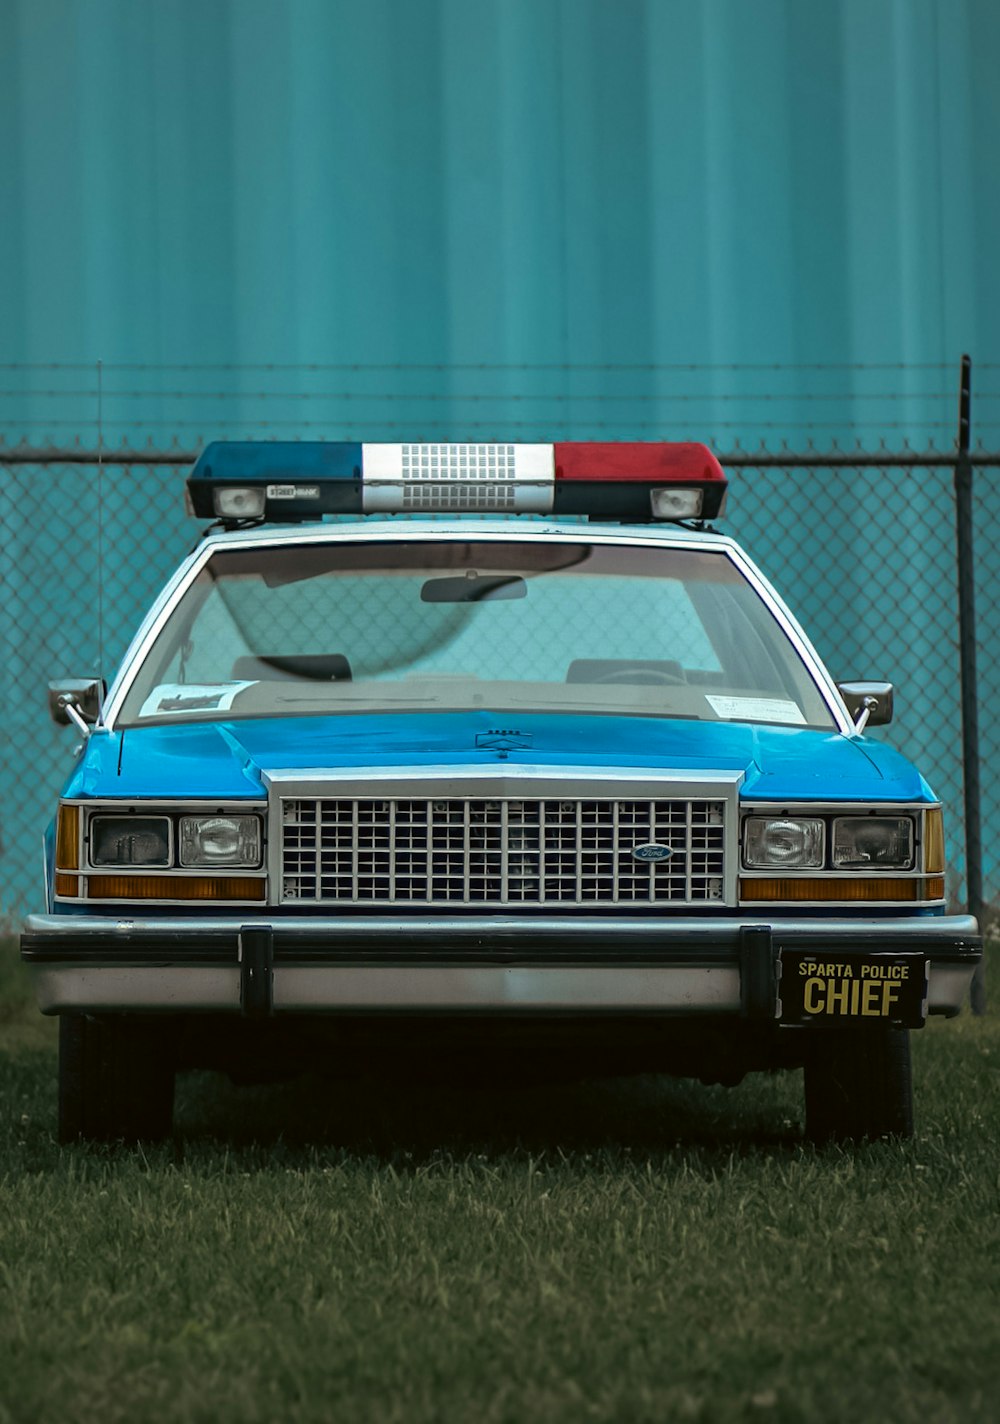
[(651, 851)]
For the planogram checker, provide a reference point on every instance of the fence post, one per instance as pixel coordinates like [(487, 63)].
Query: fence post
[(967, 664)]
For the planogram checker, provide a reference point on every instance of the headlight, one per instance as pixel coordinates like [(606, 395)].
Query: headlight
[(129, 840), (794, 844), (873, 843), (220, 840)]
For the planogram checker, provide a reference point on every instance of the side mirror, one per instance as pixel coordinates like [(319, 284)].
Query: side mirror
[(83, 696), (869, 703)]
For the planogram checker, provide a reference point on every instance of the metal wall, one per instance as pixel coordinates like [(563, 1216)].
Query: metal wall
[(731, 220), (532, 181)]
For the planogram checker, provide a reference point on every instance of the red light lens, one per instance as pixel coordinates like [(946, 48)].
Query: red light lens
[(614, 479), (686, 462)]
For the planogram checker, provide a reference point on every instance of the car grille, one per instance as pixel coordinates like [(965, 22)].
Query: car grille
[(482, 853)]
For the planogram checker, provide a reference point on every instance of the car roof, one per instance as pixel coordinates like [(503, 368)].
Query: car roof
[(529, 527)]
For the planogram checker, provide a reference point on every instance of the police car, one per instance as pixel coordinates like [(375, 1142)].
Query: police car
[(564, 791)]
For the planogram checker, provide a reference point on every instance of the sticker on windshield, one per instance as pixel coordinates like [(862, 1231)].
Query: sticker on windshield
[(756, 709), (191, 697)]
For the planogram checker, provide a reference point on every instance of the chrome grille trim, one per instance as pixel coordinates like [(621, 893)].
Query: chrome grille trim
[(498, 838)]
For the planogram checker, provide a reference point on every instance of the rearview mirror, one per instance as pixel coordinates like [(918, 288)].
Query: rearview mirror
[(84, 694), (473, 588), (873, 698)]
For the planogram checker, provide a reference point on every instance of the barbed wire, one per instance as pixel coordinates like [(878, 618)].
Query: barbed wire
[(505, 366), (502, 430), (559, 397)]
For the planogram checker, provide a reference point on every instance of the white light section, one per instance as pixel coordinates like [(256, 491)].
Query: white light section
[(237, 502), (489, 478)]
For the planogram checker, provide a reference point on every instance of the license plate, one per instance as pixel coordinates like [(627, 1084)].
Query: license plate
[(852, 988)]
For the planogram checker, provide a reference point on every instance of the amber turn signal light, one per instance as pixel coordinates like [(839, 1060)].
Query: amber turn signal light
[(174, 887), (68, 839), (934, 841), (846, 891)]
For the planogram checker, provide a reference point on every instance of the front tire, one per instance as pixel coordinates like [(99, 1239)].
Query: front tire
[(858, 1084), (116, 1078)]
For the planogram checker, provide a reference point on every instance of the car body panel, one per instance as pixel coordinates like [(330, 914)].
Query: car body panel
[(226, 760)]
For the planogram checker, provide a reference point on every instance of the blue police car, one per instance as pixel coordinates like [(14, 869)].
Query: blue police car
[(571, 792)]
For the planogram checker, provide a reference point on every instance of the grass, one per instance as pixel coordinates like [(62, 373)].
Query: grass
[(640, 1251)]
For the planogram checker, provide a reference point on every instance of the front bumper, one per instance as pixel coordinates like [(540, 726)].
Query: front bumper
[(497, 964)]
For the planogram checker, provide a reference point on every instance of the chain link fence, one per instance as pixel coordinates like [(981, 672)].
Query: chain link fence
[(865, 553), (865, 557)]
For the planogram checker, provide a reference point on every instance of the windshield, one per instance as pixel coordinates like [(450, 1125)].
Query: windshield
[(456, 623)]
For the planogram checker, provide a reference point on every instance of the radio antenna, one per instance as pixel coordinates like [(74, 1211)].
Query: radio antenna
[(100, 521)]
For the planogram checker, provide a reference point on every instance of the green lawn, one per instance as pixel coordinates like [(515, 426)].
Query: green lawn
[(643, 1251)]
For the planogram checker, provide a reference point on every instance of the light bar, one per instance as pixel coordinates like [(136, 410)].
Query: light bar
[(290, 481)]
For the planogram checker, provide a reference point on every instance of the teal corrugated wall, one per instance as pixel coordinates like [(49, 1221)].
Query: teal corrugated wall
[(524, 218), (462, 181)]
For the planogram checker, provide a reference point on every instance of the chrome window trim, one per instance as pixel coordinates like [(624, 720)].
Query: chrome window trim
[(163, 605), (487, 530), (798, 637)]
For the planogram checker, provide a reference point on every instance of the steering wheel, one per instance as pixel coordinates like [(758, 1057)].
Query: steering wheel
[(658, 677)]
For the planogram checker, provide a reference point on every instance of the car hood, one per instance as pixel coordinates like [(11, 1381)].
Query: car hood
[(227, 761)]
